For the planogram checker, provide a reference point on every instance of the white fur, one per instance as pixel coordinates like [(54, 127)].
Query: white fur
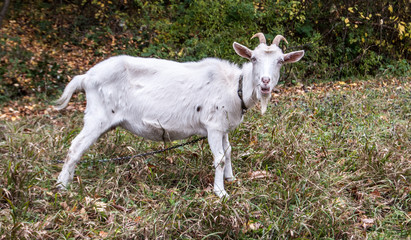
[(165, 100)]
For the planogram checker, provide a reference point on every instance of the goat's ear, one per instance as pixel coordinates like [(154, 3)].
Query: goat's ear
[(293, 56), (241, 50)]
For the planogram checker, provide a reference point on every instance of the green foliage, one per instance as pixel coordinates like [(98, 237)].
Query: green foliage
[(341, 39), (400, 68)]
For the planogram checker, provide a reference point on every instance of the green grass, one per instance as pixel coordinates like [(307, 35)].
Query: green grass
[(334, 161)]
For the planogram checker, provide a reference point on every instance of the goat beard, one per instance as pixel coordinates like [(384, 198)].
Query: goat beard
[(264, 103)]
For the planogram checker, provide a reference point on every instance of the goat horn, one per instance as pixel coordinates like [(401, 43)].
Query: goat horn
[(278, 39), (261, 37)]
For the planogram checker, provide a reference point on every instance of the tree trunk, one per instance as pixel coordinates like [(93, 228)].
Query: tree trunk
[(4, 10)]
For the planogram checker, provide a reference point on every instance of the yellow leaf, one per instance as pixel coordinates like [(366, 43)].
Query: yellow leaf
[(347, 21), (390, 8), (401, 29), (181, 52), (362, 15), (351, 10)]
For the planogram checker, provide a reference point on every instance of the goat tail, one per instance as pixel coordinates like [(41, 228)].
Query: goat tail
[(74, 85)]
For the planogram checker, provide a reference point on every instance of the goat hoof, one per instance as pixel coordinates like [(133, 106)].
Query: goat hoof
[(60, 187), (222, 194), (230, 179)]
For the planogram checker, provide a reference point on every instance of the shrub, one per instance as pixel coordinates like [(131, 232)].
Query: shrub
[(341, 39)]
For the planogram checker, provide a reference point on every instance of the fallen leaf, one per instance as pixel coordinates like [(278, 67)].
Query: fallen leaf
[(137, 219), (376, 193), (367, 223), (254, 226), (251, 225), (103, 234), (88, 200), (64, 205), (100, 206), (258, 174), (84, 214)]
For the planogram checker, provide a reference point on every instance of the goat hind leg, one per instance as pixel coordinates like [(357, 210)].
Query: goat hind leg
[(88, 135)]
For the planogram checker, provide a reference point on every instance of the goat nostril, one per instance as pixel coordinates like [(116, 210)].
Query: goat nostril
[(265, 80)]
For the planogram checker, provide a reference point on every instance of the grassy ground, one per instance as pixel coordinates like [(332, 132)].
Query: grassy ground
[(329, 161)]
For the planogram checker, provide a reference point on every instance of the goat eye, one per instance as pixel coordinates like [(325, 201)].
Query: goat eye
[(280, 61), (253, 59)]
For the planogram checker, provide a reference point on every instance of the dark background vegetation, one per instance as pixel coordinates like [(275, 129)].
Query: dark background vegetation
[(44, 43)]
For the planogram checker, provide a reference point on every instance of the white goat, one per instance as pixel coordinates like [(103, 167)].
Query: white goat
[(165, 100)]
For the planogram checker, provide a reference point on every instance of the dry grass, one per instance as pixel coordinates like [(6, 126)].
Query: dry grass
[(330, 162)]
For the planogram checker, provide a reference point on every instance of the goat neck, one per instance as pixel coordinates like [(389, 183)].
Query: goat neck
[(249, 89)]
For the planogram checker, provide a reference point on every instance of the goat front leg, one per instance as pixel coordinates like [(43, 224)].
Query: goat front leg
[(228, 171), (215, 140)]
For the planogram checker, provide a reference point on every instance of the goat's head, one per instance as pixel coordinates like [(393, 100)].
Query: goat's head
[(266, 61)]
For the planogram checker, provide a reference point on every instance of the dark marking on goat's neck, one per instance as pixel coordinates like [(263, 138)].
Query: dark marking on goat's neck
[(112, 110), (198, 108)]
